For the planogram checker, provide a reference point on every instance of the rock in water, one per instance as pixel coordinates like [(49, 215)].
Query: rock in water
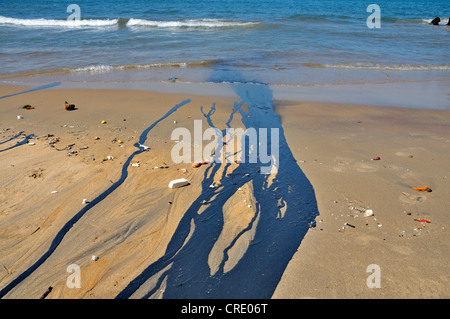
[(435, 21)]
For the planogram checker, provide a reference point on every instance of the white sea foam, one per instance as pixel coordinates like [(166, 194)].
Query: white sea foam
[(443, 21), (57, 23), (193, 23), (106, 68), (95, 68), (382, 66), (197, 23)]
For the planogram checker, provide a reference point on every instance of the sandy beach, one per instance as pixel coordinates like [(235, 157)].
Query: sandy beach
[(357, 158)]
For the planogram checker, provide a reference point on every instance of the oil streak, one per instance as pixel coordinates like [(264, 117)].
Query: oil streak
[(65, 229)]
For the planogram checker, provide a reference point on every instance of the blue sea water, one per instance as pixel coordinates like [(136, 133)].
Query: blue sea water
[(278, 42)]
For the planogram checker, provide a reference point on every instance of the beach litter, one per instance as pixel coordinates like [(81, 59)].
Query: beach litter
[(69, 107), (422, 220), (136, 164), (54, 192), (85, 201), (45, 294), (144, 147), (103, 122), (198, 164), (19, 117), (28, 107), (95, 258), (178, 183), (376, 158), (422, 189), (161, 166)]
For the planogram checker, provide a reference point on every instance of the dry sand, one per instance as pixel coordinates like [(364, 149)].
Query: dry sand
[(333, 144)]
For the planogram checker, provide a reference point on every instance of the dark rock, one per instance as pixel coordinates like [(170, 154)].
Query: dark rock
[(435, 21)]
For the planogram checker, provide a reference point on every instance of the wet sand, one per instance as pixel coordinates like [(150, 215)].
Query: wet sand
[(133, 225)]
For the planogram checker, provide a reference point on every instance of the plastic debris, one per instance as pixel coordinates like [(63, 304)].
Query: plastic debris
[(422, 220), (144, 147), (136, 164), (45, 294), (28, 107), (178, 183), (103, 122), (54, 192), (69, 107), (19, 117), (95, 258), (422, 189), (198, 164), (376, 158)]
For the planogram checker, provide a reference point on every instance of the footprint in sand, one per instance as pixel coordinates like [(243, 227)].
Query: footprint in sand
[(348, 165), (407, 152), (412, 199)]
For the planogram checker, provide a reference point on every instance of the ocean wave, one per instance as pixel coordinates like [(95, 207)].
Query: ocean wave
[(101, 68), (124, 22), (192, 23), (126, 67), (58, 23), (381, 66), (443, 21)]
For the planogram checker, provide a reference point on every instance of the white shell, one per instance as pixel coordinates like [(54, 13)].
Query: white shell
[(368, 213)]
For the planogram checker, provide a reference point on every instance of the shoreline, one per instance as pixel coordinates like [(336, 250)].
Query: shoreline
[(381, 89), (333, 149)]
